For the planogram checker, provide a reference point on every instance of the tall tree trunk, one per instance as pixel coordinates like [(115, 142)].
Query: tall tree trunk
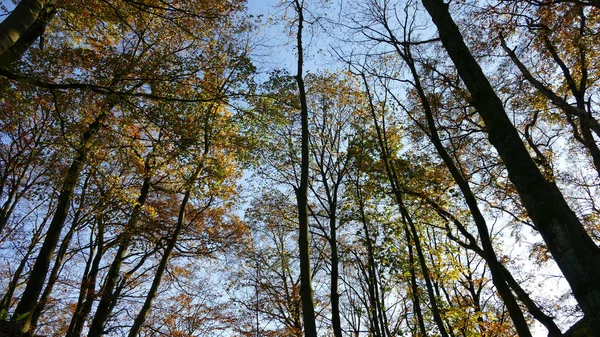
[(109, 296), (378, 319), (87, 292), (576, 254), (306, 290), (411, 229), (414, 287), (26, 306), (335, 273), (22, 27), (379, 303), (62, 251), (371, 277), (162, 266)]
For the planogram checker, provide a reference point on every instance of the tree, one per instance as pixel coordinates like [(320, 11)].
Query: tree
[(404, 49), (126, 17), (306, 291), (22, 27), (572, 248), (270, 270), (26, 306), (209, 179), (378, 200), (333, 103)]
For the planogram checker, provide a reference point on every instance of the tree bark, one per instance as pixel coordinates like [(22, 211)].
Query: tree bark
[(22, 27), (371, 276), (335, 275), (411, 231), (410, 227), (162, 266), (306, 290), (62, 251), (576, 254), (414, 287)]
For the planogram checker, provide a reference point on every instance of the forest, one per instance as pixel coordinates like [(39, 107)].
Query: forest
[(301, 168)]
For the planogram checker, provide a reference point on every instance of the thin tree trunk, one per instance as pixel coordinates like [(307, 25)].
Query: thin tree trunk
[(306, 291), (476, 298), (414, 286), (576, 254), (409, 225), (392, 177), (371, 276), (379, 298), (162, 266), (6, 301), (109, 296), (87, 293), (522, 295), (335, 274), (62, 251), (532, 307)]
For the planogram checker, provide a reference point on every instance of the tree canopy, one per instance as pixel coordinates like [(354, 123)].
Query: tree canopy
[(421, 168)]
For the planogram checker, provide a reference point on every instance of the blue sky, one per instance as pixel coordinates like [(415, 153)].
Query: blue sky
[(276, 40)]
